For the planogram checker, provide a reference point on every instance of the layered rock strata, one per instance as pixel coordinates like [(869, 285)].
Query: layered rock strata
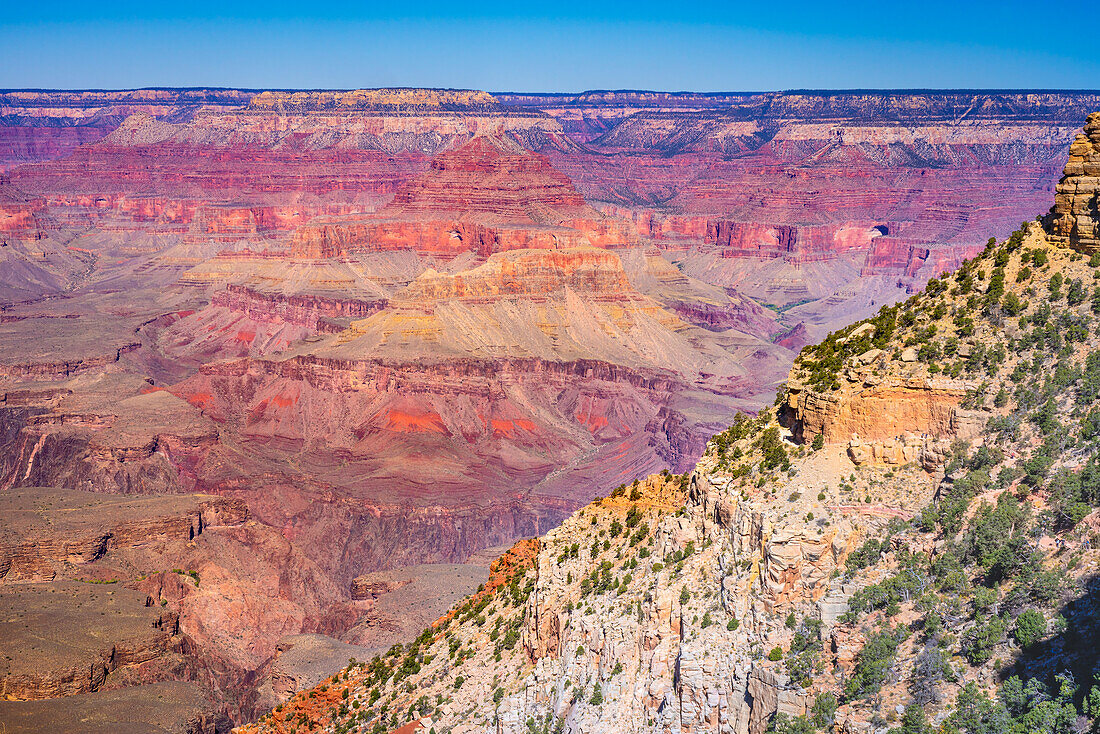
[(485, 196), (1075, 218)]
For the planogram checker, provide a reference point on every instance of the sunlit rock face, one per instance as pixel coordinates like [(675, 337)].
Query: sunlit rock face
[(1075, 218)]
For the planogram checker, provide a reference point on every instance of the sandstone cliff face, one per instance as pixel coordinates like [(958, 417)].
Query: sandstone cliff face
[(448, 237), (1075, 218), (670, 678), (592, 273), (890, 396), (882, 410), (300, 309)]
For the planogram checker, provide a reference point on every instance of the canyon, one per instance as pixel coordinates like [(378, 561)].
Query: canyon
[(292, 340), (904, 542)]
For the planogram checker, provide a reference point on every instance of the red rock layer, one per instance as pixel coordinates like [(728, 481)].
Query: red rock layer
[(490, 178), (426, 416), (210, 192), (488, 195), (445, 237), (20, 215), (756, 239)]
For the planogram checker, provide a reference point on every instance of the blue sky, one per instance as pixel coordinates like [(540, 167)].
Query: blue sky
[(559, 46)]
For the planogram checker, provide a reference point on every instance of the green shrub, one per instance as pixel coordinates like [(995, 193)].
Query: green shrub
[(824, 711), (866, 555), (1055, 286), (1030, 628), (781, 723), (913, 721), (1076, 294), (873, 664), (978, 643)]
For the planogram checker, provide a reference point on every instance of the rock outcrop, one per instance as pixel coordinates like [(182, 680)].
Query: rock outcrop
[(879, 411), (95, 633), (47, 532), (112, 435), (89, 605), (1075, 218)]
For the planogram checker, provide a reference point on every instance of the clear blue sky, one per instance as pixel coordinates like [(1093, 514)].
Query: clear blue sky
[(548, 46)]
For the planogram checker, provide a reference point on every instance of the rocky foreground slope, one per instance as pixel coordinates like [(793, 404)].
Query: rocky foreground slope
[(906, 542)]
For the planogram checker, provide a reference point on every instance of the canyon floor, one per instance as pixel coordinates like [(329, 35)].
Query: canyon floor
[(280, 371)]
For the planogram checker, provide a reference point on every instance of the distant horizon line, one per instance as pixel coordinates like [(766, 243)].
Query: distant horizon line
[(678, 93)]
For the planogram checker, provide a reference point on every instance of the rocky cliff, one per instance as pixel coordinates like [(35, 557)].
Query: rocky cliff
[(1075, 217), (113, 593)]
